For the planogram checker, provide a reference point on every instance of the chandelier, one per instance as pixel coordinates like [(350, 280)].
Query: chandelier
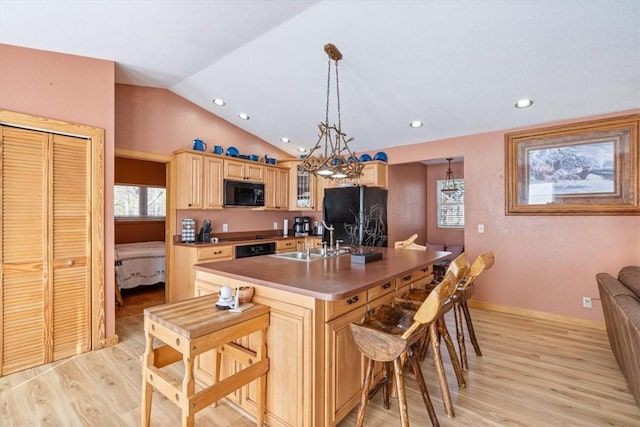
[(449, 186), (331, 157)]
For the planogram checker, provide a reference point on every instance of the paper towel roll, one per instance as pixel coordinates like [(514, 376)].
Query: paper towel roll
[(286, 228)]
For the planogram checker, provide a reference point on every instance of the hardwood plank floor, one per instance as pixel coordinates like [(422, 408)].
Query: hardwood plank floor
[(533, 373)]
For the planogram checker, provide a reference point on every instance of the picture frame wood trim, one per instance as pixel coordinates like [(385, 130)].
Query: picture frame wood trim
[(623, 198)]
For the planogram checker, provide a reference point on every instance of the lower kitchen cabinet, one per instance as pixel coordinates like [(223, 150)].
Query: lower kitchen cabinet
[(184, 259), (290, 352), (344, 366)]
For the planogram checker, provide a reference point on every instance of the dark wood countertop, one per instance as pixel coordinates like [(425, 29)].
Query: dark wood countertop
[(328, 279)]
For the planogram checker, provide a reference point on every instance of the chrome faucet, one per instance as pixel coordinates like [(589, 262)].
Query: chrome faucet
[(330, 228), (308, 250), (338, 246)]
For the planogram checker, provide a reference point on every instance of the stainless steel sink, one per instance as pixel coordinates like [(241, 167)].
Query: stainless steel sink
[(314, 255)]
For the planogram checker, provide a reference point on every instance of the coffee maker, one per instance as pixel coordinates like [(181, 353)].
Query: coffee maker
[(301, 226)]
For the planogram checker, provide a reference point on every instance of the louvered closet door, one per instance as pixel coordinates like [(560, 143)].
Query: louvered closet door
[(45, 264), (70, 229), (24, 248)]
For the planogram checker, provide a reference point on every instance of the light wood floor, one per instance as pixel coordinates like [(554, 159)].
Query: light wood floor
[(533, 373)]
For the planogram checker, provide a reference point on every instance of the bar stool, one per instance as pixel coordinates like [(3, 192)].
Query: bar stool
[(188, 329), (460, 308), (390, 335)]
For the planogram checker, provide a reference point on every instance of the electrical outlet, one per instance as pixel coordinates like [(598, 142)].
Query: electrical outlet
[(586, 302), (225, 228), (275, 225), (480, 228)]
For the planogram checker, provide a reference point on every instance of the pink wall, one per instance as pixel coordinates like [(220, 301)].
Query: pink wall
[(73, 89), (158, 121), (407, 205), (450, 236), (543, 263)]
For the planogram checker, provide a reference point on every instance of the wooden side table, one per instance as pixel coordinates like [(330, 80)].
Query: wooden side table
[(189, 328)]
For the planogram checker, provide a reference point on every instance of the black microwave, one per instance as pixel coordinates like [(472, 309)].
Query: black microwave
[(239, 193)]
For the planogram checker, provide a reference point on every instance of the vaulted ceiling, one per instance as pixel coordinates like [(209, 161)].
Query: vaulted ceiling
[(458, 66)]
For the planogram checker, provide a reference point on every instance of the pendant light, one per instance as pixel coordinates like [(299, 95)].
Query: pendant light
[(449, 186)]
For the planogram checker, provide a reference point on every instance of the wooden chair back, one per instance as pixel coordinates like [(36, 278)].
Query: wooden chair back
[(409, 244), (482, 263), (432, 307)]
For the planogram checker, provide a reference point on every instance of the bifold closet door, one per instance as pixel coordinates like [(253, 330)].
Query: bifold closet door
[(44, 252)]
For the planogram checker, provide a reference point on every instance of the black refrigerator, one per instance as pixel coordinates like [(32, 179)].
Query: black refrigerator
[(358, 214)]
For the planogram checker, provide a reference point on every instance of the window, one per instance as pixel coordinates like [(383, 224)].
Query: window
[(450, 206), (139, 202)]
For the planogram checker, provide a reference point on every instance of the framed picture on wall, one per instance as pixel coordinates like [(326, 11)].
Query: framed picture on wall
[(587, 168)]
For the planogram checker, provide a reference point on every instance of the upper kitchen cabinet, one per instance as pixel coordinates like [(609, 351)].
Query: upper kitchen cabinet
[(374, 174), (303, 188), (276, 188), (243, 171), (198, 180)]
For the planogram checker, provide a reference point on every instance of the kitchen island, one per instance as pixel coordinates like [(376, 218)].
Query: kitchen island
[(315, 370)]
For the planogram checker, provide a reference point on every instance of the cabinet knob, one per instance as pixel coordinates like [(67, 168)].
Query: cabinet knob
[(406, 278), (353, 300), (70, 262), (386, 285)]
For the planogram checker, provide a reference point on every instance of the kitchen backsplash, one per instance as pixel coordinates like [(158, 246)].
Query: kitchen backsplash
[(242, 219)]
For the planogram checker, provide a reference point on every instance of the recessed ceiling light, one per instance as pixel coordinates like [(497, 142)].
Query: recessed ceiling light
[(243, 116), (285, 139), (302, 150), (524, 103), (218, 101), (416, 124)]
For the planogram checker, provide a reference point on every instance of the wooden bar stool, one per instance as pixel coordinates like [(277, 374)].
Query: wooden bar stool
[(390, 335), (192, 327), (460, 308)]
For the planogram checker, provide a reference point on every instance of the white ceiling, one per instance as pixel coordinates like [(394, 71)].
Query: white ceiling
[(459, 66)]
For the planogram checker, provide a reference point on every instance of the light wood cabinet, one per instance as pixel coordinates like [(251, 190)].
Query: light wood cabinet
[(243, 170), (46, 260), (302, 187), (276, 188), (198, 181), (185, 258), (287, 245), (316, 370), (374, 174), (290, 349), (344, 366)]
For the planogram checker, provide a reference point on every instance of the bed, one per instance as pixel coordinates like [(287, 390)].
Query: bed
[(139, 264)]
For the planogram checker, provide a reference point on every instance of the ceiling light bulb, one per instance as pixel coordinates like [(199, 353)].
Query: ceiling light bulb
[(219, 102), (524, 103), (325, 172), (285, 139), (243, 116), (416, 124), (302, 149)]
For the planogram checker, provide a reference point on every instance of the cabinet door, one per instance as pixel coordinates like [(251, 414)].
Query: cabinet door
[(212, 183), (254, 172), (189, 181), (270, 191), (320, 185), (282, 189), (234, 169), (344, 366), (289, 348)]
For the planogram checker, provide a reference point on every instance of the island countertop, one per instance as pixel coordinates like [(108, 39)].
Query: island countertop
[(329, 279)]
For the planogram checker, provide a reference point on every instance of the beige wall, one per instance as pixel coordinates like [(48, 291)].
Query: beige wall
[(543, 263), (73, 89)]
